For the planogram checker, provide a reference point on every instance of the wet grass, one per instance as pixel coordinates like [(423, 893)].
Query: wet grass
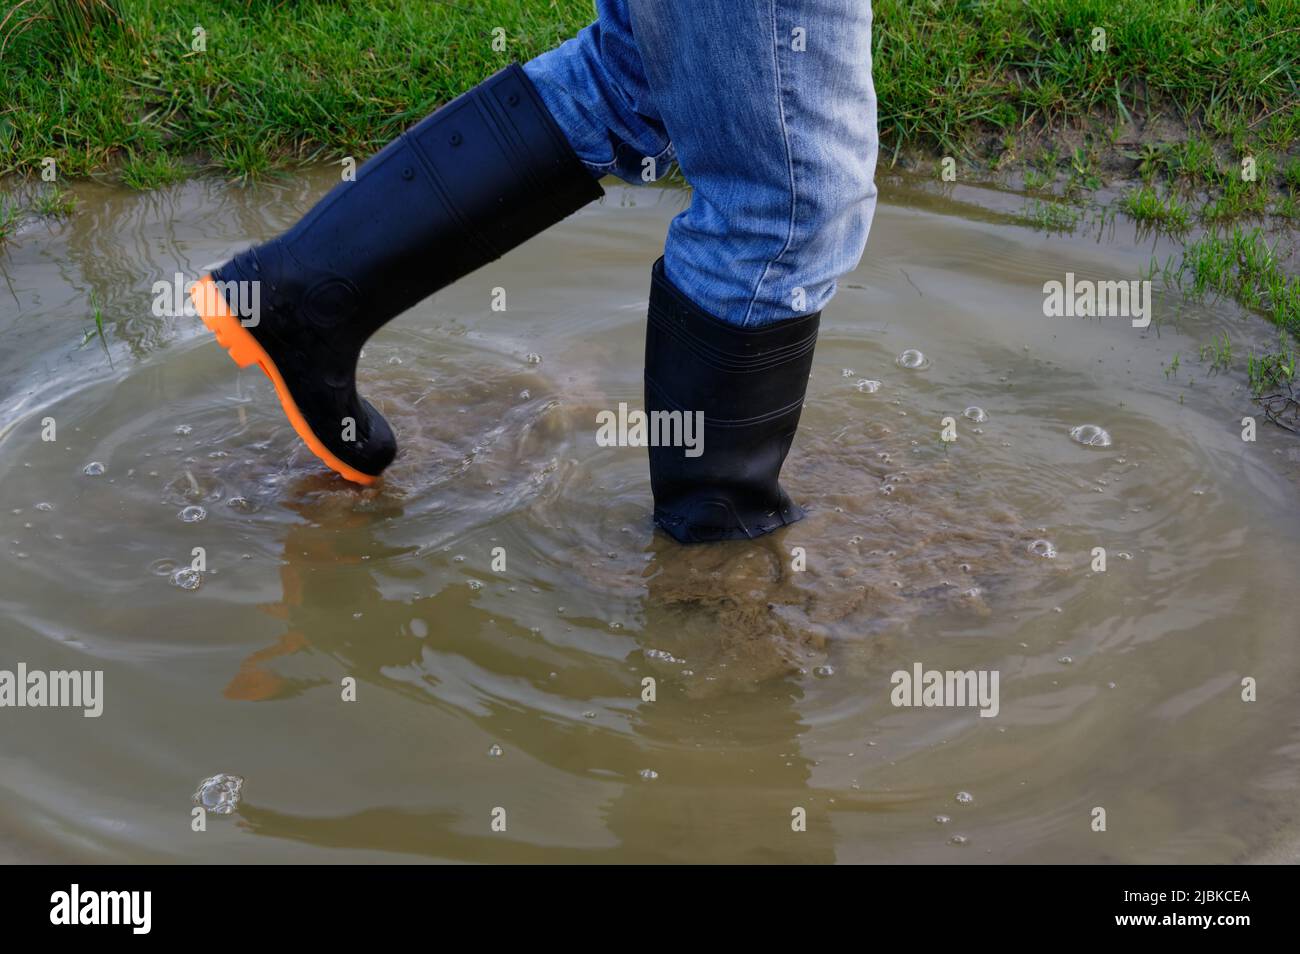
[(1245, 266), (153, 171), (54, 203), (9, 216), (1146, 206), (1051, 216)]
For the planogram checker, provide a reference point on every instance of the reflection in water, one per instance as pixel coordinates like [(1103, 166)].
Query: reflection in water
[(735, 782)]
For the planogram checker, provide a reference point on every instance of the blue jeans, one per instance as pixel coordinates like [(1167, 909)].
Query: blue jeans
[(769, 109)]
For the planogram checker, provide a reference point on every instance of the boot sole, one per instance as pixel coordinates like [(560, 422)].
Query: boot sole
[(244, 350)]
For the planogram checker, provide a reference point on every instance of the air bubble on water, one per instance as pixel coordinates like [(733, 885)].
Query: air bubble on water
[(942, 819), (496, 751), (824, 672), (976, 414), (661, 655), (525, 394), (187, 578), (1090, 435), (1065, 660), (192, 514), (183, 429), (1124, 556), (648, 774), (220, 794), (533, 358), (912, 360), (847, 373), (957, 840), (589, 714), (1043, 548), (93, 469), (240, 504), (475, 585), (867, 386), (964, 798), (46, 507)]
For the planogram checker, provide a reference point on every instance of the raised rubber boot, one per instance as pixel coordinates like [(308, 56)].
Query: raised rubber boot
[(749, 383), (460, 188)]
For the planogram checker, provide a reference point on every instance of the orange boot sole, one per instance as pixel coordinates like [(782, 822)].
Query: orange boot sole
[(244, 350)]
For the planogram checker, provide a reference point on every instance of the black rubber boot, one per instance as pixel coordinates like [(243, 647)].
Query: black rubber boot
[(750, 385), (459, 189)]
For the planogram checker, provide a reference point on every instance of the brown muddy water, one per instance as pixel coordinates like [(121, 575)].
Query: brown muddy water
[(522, 688)]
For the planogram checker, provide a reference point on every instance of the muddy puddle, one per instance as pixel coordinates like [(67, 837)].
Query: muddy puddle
[(500, 599)]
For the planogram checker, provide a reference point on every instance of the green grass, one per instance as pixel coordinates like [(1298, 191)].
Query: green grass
[(153, 171), (54, 203), (1146, 206), (944, 68), (278, 82), (9, 216), (287, 81), (1219, 353), (1291, 175), (1051, 216), (1243, 265)]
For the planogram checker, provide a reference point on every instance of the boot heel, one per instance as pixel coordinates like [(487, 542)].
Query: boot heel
[(216, 315), (235, 340)]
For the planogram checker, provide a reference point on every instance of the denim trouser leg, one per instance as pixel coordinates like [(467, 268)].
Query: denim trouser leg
[(767, 105)]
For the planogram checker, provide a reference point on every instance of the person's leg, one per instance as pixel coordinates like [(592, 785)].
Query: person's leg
[(459, 189), (595, 86), (770, 110)]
